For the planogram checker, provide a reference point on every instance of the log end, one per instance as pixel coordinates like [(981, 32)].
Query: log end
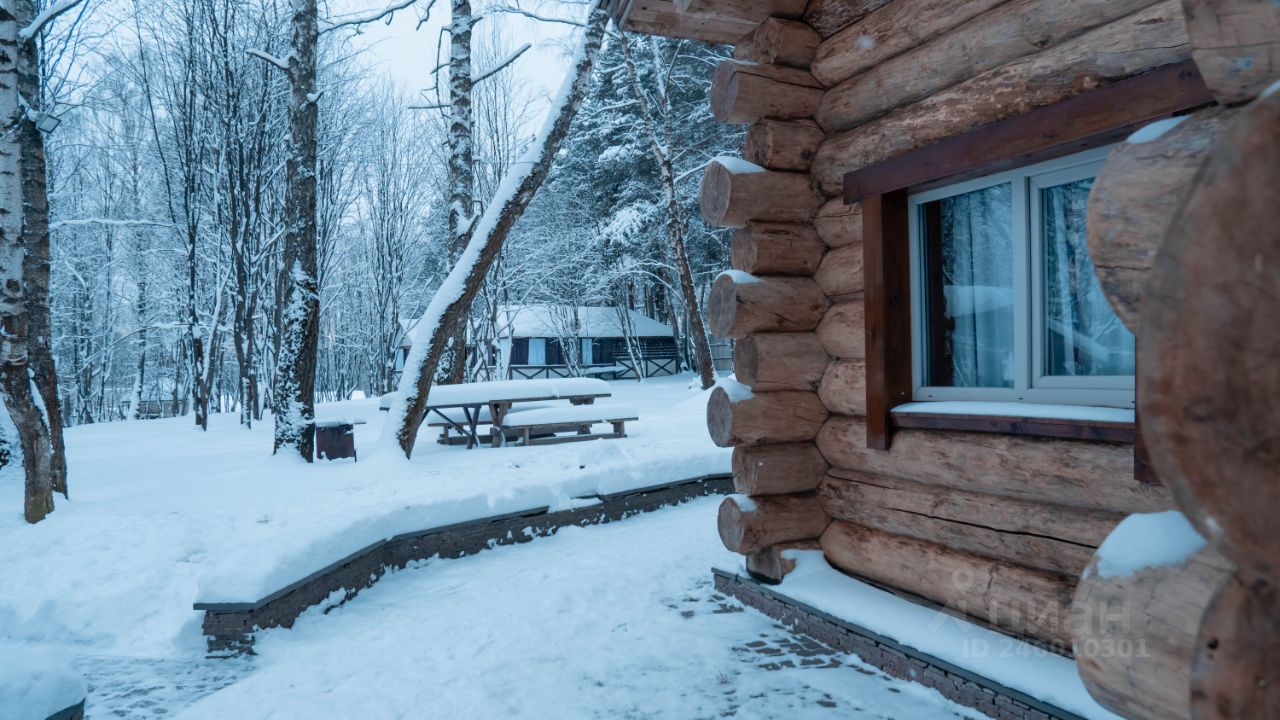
[(730, 524), (715, 193), (722, 306), (720, 417)]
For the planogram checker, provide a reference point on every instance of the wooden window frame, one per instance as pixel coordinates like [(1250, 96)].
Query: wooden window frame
[(1087, 121)]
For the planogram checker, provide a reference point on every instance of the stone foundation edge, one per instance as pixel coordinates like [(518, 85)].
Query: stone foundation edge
[(229, 628), (954, 683)]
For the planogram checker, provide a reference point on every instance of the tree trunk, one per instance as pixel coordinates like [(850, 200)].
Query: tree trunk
[(296, 363), (452, 301), (675, 225), (18, 87), (461, 173)]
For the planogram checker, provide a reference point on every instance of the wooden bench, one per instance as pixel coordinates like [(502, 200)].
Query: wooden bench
[(539, 426)]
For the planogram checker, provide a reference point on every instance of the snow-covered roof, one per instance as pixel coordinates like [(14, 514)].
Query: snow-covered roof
[(555, 320), (550, 321)]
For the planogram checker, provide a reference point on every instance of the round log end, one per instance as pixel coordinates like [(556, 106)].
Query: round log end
[(746, 360), (742, 253), (722, 306), (715, 193), (724, 91), (731, 526), (720, 418), (1236, 671)]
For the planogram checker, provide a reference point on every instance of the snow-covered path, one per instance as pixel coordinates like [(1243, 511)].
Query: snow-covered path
[(614, 621)]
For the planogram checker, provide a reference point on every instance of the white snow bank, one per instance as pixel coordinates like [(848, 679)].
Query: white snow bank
[(598, 412), (1017, 409), (1154, 131), (739, 277), (1147, 540), (482, 392), (736, 391), (36, 683), (737, 165), (171, 513), (1010, 662)]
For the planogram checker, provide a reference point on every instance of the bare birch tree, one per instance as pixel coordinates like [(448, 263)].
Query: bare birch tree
[(486, 235), (24, 249)]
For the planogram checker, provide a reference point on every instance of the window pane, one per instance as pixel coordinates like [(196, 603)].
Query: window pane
[(968, 251), (1083, 336)]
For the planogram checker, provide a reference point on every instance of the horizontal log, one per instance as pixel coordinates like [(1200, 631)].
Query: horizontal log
[(749, 10), (771, 564), (743, 92), (889, 31), (1149, 621), (1236, 44), (839, 223), (873, 507), (735, 192), (783, 144), (748, 524), (779, 42), (1074, 525), (779, 361), (786, 416), (768, 248), (1081, 122), (831, 16), (1207, 384), (1061, 472), (842, 331), (1136, 44), (742, 304), (1002, 35), (660, 17), (844, 387), (777, 469), (841, 271), (1137, 193), (1010, 597)]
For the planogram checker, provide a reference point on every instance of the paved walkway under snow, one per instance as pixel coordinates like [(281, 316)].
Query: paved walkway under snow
[(614, 621)]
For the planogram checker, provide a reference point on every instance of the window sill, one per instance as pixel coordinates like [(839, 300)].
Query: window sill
[(1072, 422)]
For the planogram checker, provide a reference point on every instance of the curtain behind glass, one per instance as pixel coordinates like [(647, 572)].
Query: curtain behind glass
[(969, 268), (1083, 335)]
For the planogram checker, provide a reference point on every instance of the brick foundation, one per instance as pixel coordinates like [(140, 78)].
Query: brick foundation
[(230, 627), (954, 683)]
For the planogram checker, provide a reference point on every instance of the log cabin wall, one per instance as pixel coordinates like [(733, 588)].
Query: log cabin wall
[(997, 526)]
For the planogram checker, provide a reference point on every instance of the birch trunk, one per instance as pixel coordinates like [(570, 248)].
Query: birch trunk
[(675, 222), (452, 301), (461, 171), (294, 392), (18, 86)]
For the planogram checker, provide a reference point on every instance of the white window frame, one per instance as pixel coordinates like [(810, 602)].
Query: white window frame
[(1030, 384)]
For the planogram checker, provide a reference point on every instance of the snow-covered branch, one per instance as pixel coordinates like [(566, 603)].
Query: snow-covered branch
[(508, 10), (500, 66), (49, 15), (107, 221), (364, 18), (269, 59)]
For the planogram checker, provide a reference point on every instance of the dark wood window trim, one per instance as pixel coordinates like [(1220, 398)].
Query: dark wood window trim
[(1096, 430), (886, 268), (1089, 120), (1086, 121)]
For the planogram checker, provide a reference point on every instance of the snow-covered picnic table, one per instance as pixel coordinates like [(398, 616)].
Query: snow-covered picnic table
[(491, 401)]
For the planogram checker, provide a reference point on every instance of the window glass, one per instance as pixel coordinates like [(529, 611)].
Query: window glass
[(969, 273), (1082, 334)]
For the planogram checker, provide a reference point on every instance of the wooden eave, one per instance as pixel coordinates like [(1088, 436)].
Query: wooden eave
[(661, 17)]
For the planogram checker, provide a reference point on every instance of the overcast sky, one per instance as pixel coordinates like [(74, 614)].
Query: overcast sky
[(407, 55)]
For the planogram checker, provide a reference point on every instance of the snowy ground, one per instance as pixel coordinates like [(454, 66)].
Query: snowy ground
[(613, 621)]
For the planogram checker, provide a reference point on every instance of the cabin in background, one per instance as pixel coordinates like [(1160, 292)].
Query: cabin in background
[(549, 341), (960, 278)]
